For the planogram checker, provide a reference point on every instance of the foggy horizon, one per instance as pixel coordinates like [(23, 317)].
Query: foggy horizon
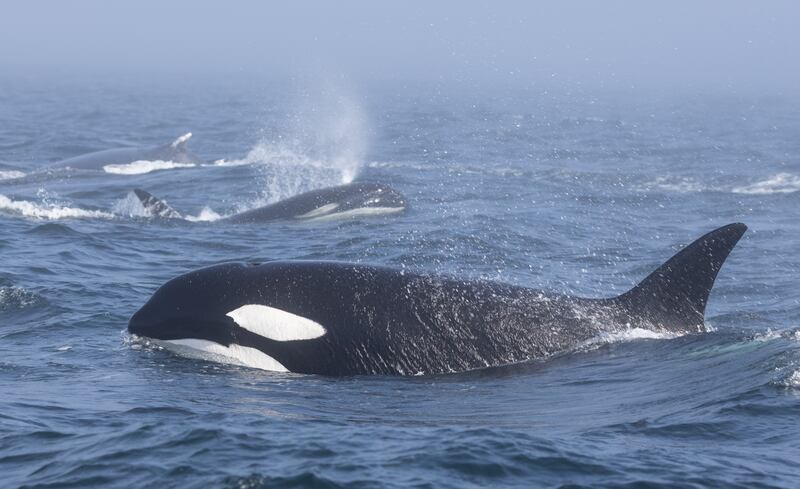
[(709, 47)]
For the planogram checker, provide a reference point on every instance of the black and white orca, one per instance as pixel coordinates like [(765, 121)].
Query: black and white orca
[(118, 160), (333, 318), (351, 200)]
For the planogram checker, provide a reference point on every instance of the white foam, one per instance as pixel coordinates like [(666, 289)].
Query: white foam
[(233, 354), (10, 174), (767, 335), (794, 379), (782, 183), (141, 167), (276, 324), (637, 334), (48, 210), (631, 334), (16, 297), (207, 214), (224, 162)]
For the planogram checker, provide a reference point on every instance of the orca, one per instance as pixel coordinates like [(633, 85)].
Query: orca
[(341, 319), (134, 160), (351, 200)]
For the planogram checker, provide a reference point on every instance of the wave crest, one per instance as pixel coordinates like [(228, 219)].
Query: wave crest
[(47, 210), (141, 167)]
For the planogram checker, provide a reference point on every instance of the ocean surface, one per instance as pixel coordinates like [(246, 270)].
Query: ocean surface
[(564, 190)]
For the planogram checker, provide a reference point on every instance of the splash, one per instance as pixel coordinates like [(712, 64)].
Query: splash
[(625, 335), (12, 298), (141, 167), (48, 210), (767, 335), (793, 380), (637, 334), (323, 145), (130, 206), (207, 214)]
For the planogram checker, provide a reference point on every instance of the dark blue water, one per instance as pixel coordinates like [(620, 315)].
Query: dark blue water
[(565, 191)]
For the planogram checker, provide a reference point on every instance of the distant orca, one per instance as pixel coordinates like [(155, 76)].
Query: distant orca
[(175, 152), (346, 319), (349, 200)]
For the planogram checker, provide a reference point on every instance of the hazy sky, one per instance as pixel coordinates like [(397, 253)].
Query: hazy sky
[(710, 44)]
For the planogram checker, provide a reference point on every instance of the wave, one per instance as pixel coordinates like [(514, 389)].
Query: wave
[(47, 210), (144, 166), (53, 229)]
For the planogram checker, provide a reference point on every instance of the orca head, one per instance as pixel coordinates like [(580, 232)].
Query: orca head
[(193, 306), (222, 312), (378, 196)]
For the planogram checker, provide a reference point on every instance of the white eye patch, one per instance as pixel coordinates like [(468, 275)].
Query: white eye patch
[(276, 324)]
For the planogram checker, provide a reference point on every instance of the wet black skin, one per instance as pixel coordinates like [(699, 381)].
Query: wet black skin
[(346, 197), (385, 321)]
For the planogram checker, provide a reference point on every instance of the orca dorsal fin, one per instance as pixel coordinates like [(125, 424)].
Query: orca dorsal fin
[(181, 141), (675, 295), (154, 206)]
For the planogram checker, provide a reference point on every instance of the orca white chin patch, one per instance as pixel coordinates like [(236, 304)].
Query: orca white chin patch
[(358, 212), (319, 211), (276, 324), (233, 354)]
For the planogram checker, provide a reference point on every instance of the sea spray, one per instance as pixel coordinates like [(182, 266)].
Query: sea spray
[(322, 145)]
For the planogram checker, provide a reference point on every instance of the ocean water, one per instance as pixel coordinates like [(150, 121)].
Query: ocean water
[(562, 190)]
